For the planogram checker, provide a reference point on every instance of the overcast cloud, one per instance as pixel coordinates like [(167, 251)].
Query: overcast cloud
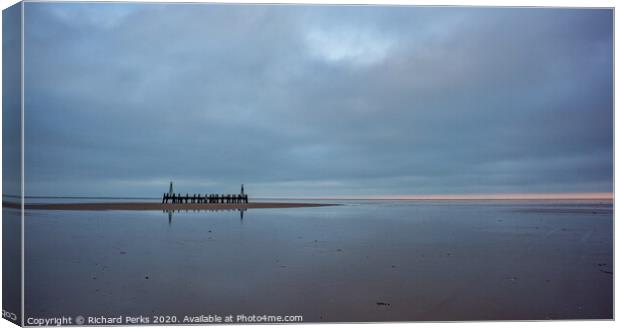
[(316, 100)]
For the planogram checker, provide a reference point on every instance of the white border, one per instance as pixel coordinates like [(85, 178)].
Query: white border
[(487, 3), (21, 146)]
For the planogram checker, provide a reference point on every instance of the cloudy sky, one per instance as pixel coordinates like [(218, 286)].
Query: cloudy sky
[(316, 100)]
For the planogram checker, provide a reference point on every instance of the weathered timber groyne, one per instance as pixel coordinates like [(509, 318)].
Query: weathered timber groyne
[(177, 198), (203, 199)]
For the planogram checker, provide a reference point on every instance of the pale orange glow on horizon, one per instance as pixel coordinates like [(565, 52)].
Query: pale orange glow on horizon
[(515, 196)]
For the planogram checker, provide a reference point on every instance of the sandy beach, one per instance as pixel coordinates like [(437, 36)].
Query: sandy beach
[(362, 261), (157, 206)]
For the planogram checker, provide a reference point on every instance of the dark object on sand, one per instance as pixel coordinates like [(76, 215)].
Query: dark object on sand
[(175, 198)]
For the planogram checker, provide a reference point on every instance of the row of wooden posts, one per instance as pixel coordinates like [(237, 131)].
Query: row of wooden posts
[(204, 199)]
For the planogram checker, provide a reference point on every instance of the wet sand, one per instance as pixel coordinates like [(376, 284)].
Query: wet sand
[(362, 261), (157, 206)]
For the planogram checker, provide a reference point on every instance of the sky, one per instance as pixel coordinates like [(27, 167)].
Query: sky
[(316, 101)]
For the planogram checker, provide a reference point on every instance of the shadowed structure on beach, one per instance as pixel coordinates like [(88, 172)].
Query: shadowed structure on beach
[(177, 198)]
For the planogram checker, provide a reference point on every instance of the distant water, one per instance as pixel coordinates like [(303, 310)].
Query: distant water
[(66, 200), (80, 200), (363, 261)]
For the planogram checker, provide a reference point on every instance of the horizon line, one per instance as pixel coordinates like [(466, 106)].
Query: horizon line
[(497, 196)]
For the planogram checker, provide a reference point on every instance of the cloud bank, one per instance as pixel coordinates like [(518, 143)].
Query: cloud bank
[(316, 100)]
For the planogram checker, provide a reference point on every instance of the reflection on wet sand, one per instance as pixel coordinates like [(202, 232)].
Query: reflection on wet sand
[(170, 212), (362, 261)]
